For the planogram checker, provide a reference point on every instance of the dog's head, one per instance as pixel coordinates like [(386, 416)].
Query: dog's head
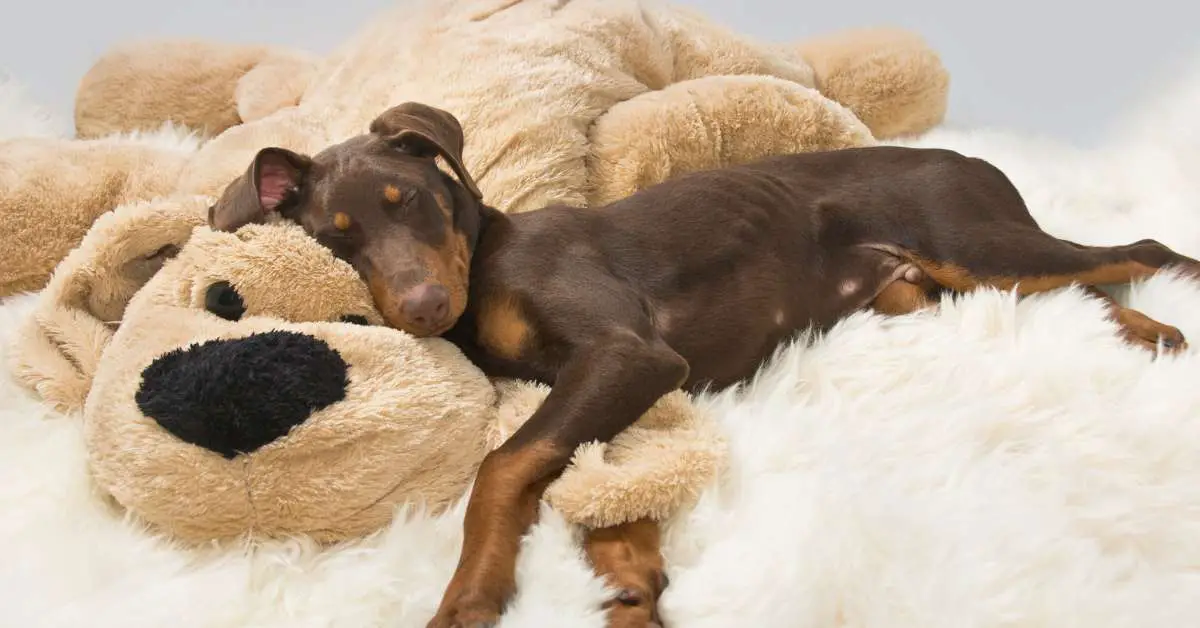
[(380, 202)]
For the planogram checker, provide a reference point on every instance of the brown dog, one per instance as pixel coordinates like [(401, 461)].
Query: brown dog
[(690, 283)]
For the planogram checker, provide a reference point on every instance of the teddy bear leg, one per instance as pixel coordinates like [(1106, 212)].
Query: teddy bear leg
[(227, 156), (707, 123), (629, 557), (204, 86), (52, 190), (890, 78)]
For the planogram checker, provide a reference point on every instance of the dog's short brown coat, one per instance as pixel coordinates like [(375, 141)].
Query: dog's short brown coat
[(692, 283)]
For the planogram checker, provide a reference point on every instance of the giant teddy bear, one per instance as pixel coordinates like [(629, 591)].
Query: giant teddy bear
[(574, 102)]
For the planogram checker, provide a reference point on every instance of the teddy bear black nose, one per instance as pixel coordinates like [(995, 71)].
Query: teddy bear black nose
[(234, 396)]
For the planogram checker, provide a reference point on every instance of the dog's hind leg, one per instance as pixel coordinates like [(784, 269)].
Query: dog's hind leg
[(1029, 261), (1139, 329)]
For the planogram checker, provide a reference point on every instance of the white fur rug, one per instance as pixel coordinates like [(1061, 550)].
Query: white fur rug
[(1000, 464)]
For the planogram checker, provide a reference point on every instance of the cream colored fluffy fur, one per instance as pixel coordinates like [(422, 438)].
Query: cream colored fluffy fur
[(575, 102), (997, 464)]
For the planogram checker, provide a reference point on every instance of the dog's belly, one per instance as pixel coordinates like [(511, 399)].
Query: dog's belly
[(727, 329)]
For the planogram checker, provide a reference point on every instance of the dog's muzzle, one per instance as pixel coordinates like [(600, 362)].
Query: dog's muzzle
[(235, 396)]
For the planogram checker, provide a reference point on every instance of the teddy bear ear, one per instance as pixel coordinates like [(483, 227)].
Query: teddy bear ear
[(76, 315), (271, 179)]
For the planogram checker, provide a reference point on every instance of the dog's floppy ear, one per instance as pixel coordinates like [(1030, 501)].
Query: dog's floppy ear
[(426, 131), (273, 175)]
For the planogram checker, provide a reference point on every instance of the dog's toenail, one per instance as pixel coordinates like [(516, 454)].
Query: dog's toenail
[(629, 597)]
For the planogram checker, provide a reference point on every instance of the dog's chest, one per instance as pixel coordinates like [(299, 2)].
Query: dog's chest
[(499, 339), (501, 328)]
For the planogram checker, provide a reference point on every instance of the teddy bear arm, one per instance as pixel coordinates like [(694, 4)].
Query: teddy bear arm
[(139, 86), (707, 123), (52, 190)]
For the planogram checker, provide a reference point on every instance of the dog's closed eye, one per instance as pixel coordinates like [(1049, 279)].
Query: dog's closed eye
[(224, 301), (355, 319)]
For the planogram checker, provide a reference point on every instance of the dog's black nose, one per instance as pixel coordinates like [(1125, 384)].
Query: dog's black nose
[(234, 396)]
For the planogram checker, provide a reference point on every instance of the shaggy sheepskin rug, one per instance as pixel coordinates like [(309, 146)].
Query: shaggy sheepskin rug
[(998, 463)]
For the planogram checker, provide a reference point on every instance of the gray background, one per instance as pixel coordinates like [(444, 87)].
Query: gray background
[(1062, 68)]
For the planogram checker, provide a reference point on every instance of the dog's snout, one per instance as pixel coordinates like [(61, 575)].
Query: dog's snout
[(235, 396), (426, 306)]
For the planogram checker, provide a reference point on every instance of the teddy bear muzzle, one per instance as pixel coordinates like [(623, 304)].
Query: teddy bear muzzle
[(234, 396)]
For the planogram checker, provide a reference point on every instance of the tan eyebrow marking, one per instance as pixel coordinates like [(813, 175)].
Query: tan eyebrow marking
[(341, 220), (391, 193)]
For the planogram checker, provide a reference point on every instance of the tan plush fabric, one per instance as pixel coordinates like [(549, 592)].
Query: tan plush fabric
[(573, 102), (58, 352), (137, 86), (416, 421), (889, 78), (52, 190), (702, 123), (410, 428)]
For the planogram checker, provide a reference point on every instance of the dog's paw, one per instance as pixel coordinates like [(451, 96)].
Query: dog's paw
[(1142, 331), (467, 612), (636, 605), (1171, 340)]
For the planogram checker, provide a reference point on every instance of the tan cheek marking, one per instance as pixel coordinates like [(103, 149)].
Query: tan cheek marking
[(387, 306), (502, 328), (444, 206), (454, 264), (391, 193), (341, 221), (462, 256)]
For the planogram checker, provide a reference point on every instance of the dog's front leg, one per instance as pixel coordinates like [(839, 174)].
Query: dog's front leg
[(601, 389)]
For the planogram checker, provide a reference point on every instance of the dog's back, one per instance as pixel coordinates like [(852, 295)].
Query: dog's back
[(729, 262)]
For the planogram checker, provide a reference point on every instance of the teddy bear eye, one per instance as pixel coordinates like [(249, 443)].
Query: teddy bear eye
[(224, 301), (355, 319)]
